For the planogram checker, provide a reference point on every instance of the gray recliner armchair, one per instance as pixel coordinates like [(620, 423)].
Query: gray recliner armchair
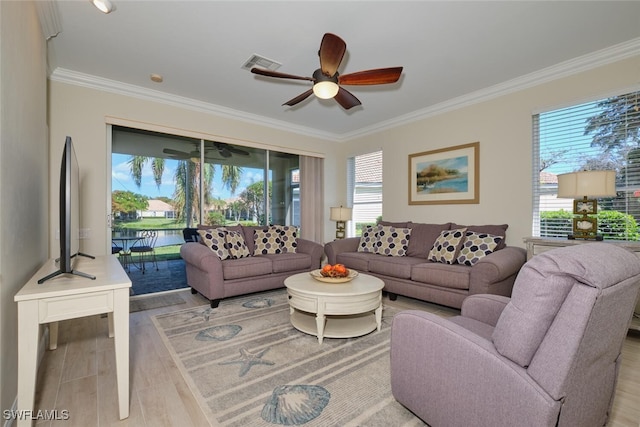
[(547, 356)]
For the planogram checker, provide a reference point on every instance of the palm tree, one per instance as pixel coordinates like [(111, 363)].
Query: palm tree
[(187, 178)]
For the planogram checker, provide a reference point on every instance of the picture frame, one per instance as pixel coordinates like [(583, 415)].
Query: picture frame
[(584, 227), (585, 207), (445, 176)]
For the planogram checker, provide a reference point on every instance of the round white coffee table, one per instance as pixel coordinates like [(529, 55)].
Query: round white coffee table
[(335, 310)]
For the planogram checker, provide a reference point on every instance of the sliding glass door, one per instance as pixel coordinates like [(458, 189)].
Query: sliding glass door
[(170, 182)]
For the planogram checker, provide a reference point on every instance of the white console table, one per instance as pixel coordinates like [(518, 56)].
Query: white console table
[(68, 297), (538, 245)]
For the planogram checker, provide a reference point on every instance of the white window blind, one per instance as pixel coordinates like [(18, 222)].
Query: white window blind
[(364, 190), (599, 135)]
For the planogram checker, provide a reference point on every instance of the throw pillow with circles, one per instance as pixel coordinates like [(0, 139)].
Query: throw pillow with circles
[(236, 245), (369, 239), (288, 238), (215, 240), (445, 248), (476, 246), (267, 241)]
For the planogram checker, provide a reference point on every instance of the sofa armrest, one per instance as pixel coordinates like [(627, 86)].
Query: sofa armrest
[(332, 249), (496, 272), (316, 250), (202, 258), (485, 308)]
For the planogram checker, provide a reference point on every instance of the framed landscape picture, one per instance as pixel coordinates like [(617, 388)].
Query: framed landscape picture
[(445, 176)]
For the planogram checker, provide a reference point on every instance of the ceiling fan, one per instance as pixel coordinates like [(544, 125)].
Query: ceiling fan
[(225, 150), (326, 79)]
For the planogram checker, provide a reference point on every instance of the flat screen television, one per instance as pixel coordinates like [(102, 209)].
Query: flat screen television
[(69, 206)]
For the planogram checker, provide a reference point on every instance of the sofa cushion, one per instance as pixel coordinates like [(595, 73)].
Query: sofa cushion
[(357, 260), (496, 230), (266, 241), (369, 239), (476, 246), (288, 238), (236, 244), (445, 248), (399, 267), (215, 239), (393, 241), (246, 267), (422, 238), (290, 261), (454, 276)]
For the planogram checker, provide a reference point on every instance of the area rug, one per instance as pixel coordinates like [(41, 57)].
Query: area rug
[(156, 301), (248, 366)]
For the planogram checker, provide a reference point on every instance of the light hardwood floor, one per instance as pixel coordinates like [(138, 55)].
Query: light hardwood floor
[(80, 375)]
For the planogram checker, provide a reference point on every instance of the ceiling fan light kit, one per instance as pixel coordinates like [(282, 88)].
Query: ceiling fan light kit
[(104, 6), (326, 80), (325, 87)]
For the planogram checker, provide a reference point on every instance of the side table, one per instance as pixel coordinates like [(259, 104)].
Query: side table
[(69, 297)]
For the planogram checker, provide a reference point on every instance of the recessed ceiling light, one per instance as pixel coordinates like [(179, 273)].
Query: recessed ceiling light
[(156, 78), (105, 6)]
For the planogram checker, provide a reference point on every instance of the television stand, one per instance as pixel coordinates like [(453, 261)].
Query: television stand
[(73, 272)]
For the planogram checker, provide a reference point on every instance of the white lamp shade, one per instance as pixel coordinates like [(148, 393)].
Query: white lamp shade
[(325, 90), (340, 214), (591, 184)]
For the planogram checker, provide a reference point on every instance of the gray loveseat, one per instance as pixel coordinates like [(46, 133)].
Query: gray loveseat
[(217, 278), (410, 273)]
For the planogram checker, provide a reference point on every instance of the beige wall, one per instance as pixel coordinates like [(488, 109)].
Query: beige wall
[(24, 209), (504, 129), (84, 113), (502, 126)]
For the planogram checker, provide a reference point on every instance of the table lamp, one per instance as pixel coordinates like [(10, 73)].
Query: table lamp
[(341, 216), (585, 187)]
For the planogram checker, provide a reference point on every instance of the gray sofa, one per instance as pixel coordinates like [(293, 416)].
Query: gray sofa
[(413, 275), (549, 356), (217, 278)]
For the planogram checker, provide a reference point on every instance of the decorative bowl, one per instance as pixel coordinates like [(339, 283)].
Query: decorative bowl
[(319, 277)]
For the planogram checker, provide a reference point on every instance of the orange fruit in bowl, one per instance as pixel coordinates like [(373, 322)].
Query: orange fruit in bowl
[(327, 268)]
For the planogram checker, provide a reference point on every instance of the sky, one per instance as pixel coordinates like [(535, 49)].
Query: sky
[(121, 179)]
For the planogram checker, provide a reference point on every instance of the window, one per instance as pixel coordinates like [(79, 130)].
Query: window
[(364, 184), (599, 135)]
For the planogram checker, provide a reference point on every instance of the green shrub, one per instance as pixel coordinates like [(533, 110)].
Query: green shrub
[(613, 225)]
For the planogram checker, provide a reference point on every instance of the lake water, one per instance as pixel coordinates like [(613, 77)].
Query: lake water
[(165, 237), (458, 185)]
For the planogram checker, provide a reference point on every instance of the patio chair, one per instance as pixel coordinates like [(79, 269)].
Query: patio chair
[(145, 249)]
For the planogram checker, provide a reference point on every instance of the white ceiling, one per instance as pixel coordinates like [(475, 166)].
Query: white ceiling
[(452, 51)]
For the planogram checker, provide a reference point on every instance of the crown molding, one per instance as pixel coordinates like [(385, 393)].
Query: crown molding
[(64, 75), (583, 63)]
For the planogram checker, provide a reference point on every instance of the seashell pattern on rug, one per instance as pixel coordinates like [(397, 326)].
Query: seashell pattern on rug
[(293, 405)]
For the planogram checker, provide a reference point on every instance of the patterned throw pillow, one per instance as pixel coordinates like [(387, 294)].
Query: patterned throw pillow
[(267, 241), (214, 239), (236, 245), (477, 245), (393, 241), (369, 239), (445, 248), (288, 238)]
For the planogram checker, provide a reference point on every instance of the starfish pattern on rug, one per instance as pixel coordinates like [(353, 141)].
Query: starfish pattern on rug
[(247, 360)]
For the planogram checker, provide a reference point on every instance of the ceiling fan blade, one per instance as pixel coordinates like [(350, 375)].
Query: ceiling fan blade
[(176, 153), (346, 99), (237, 151), (299, 98), (378, 76), (269, 73), (332, 49)]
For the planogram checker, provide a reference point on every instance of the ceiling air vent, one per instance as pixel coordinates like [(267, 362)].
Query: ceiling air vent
[(260, 61)]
